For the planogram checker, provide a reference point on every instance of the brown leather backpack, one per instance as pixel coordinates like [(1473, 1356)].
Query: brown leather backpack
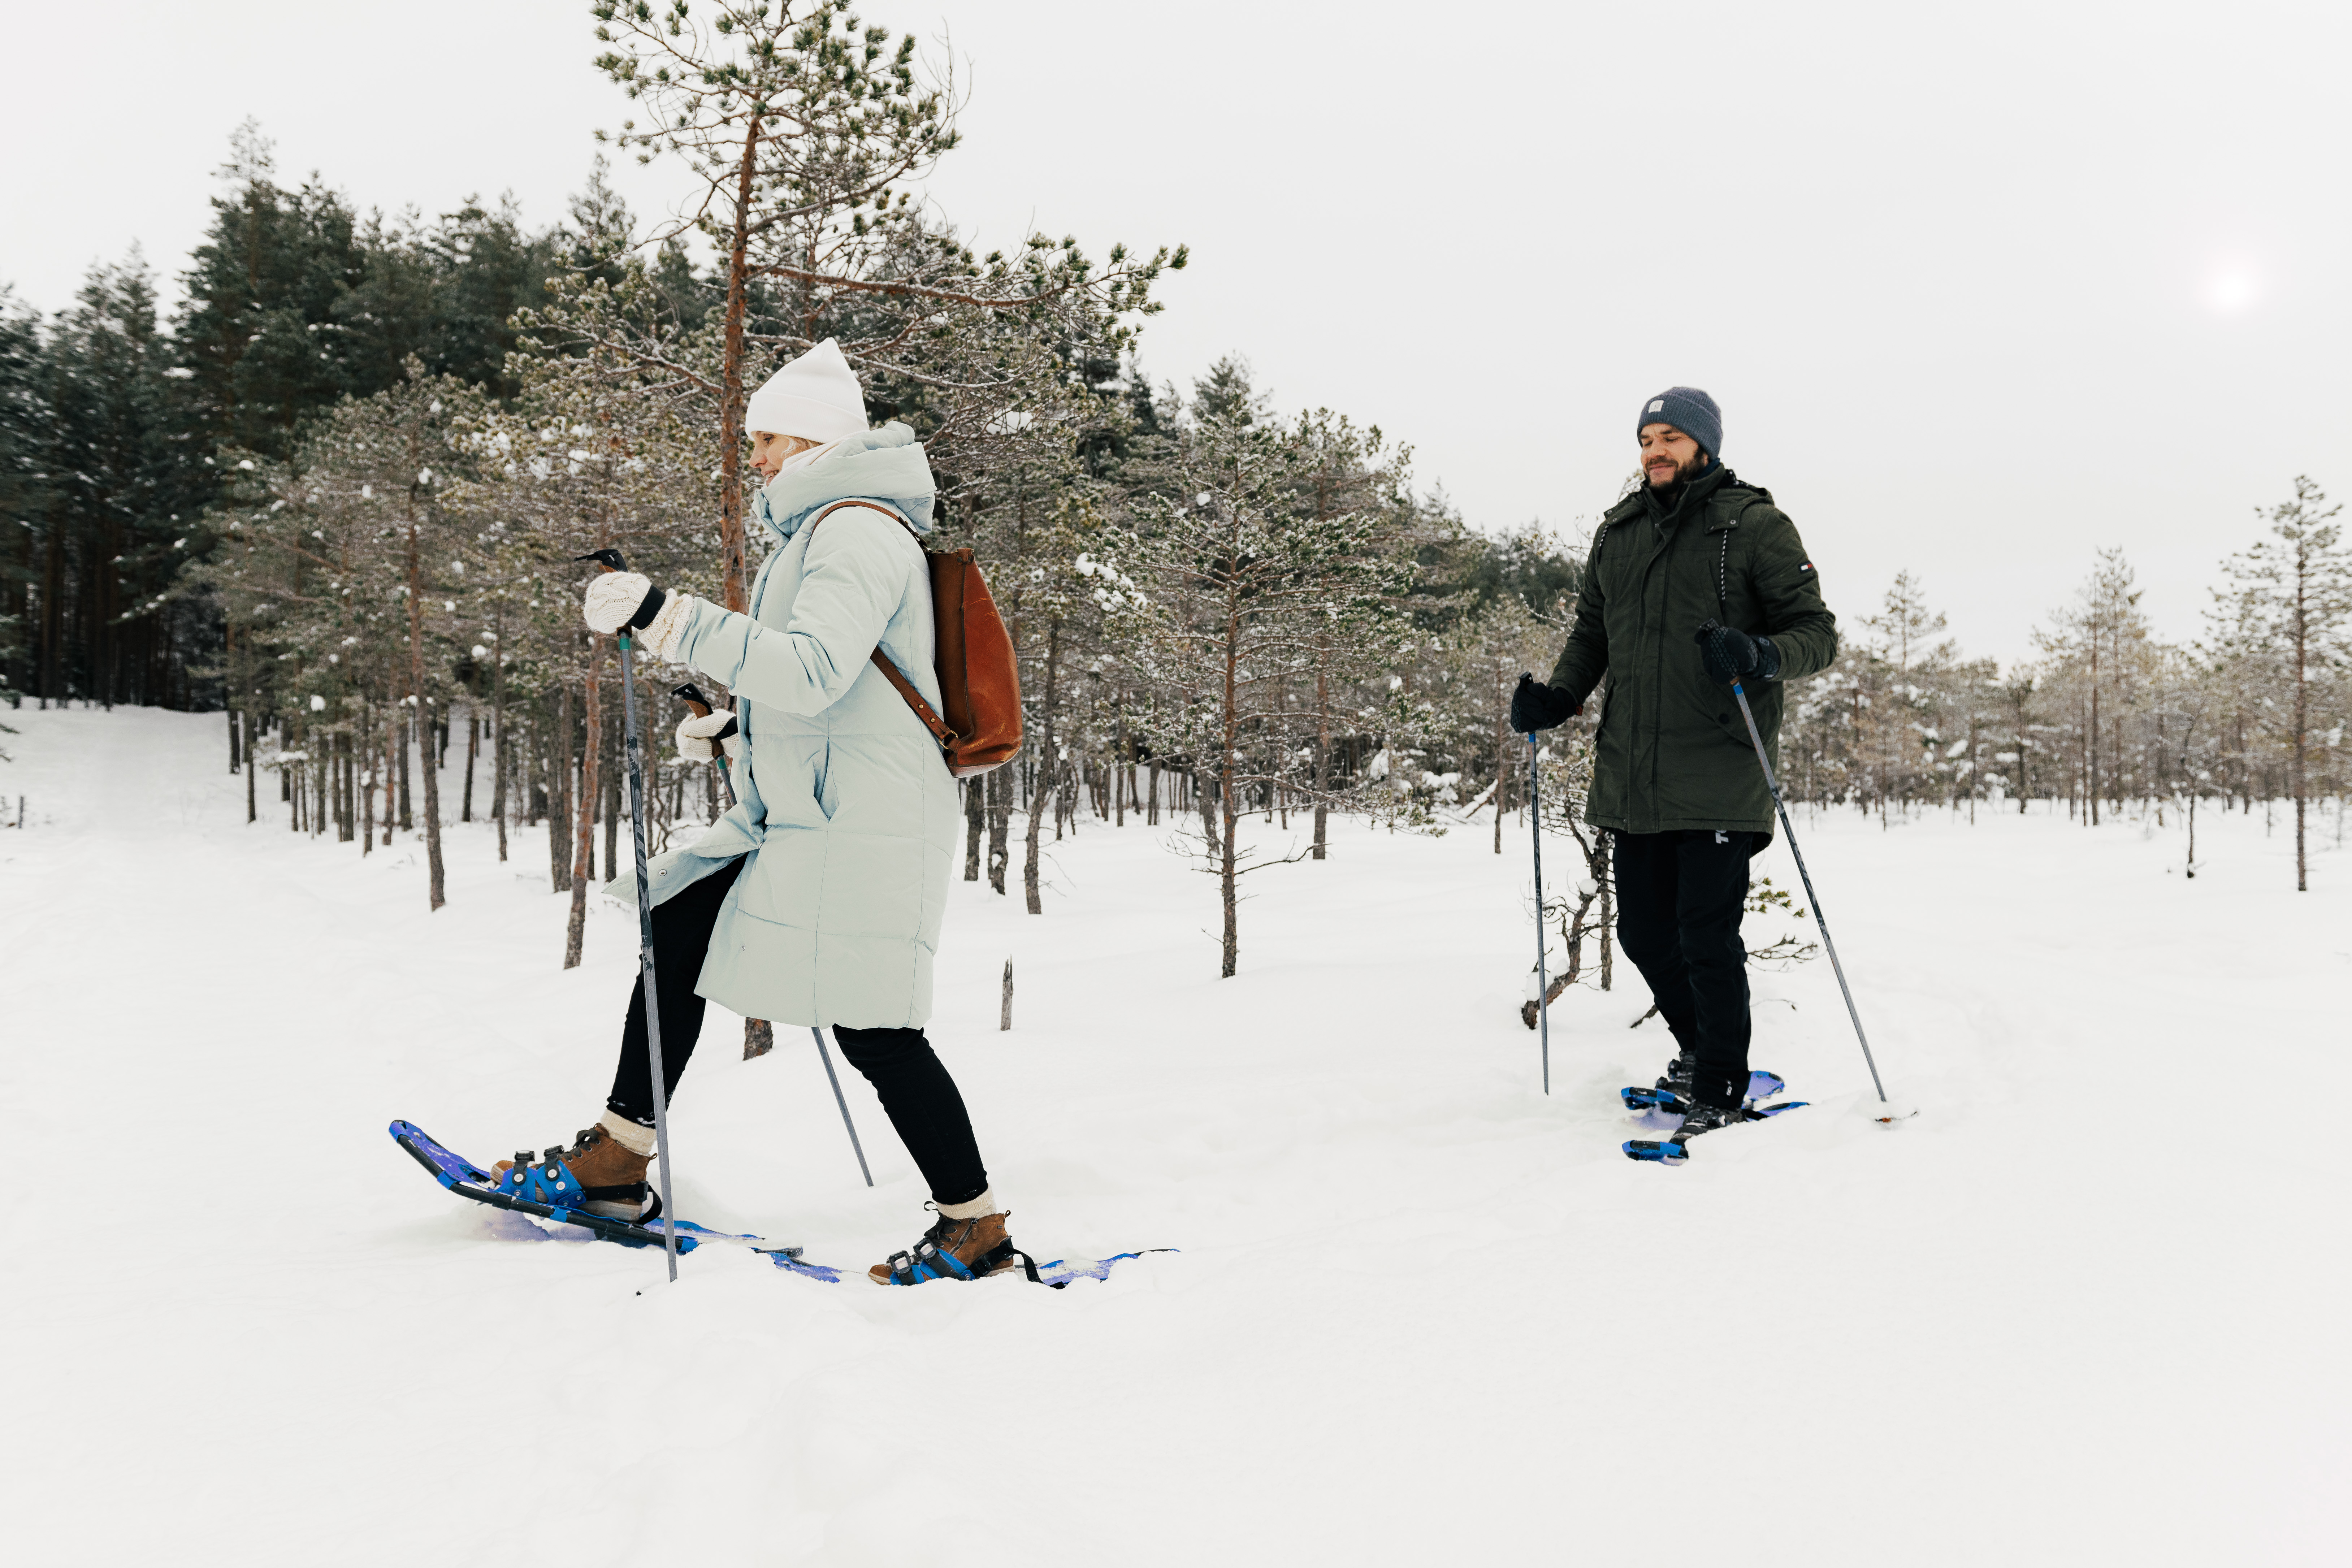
[(979, 679)]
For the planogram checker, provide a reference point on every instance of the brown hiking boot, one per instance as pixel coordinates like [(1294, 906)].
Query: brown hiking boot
[(612, 1178), (955, 1249)]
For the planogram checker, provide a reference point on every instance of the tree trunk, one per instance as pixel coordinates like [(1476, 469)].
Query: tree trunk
[(558, 793), (473, 750), (404, 742), (1502, 759), (1042, 793), (367, 789), (498, 730), (1606, 863), (975, 825), (1000, 826), (2091, 775), (2302, 639), (427, 757), (583, 857), (731, 547), (392, 754), (612, 800), (1228, 807), (1322, 759)]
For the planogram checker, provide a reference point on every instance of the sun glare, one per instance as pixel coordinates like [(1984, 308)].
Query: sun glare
[(2232, 289)]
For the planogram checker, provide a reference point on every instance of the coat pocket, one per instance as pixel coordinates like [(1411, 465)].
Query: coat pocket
[(791, 771), (823, 791)]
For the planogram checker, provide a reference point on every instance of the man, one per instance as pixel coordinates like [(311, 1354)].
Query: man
[(818, 898), (1693, 580)]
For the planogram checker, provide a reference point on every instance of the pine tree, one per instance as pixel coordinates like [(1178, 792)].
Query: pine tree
[(24, 482), (1246, 582), (114, 530), (2285, 619), (802, 128)]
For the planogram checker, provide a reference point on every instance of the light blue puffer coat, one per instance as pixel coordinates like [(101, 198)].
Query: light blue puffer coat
[(844, 806)]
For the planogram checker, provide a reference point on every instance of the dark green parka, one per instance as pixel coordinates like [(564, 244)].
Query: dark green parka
[(1673, 750)]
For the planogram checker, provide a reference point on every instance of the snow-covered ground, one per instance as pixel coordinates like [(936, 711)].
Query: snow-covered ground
[(2087, 1307)]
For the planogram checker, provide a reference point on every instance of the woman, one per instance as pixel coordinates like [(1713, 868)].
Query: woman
[(817, 899)]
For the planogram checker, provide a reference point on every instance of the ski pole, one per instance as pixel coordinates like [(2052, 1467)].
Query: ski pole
[(855, 1147), (699, 706), (1543, 981), (611, 560), (1756, 737)]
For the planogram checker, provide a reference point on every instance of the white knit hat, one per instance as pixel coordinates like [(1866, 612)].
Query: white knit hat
[(816, 396)]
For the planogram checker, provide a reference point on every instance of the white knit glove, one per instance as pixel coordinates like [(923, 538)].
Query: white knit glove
[(613, 600), (696, 731)]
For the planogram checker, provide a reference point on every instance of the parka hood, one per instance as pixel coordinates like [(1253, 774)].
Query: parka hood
[(885, 464)]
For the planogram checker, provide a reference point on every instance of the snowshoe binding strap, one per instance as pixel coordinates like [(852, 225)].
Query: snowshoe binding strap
[(547, 1180), (926, 1262), (550, 1179)]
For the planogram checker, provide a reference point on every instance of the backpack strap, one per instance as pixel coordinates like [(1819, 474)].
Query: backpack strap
[(890, 672)]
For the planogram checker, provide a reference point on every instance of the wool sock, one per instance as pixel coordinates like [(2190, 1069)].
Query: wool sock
[(636, 1140), (985, 1204)]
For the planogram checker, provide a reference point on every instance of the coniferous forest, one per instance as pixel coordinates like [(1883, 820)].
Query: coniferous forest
[(337, 493)]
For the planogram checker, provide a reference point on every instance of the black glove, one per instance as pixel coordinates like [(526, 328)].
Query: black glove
[(1535, 706), (1732, 655)]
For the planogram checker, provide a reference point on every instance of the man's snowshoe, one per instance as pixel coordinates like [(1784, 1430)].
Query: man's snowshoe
[(596, 1175), (956, 1250), (1700, 1118)]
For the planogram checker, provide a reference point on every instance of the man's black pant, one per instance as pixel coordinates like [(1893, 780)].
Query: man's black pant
[(917, 1093), (1679, 899)]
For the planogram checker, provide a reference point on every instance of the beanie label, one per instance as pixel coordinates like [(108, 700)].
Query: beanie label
[(1657, 404)]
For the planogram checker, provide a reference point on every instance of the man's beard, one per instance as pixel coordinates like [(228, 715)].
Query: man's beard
[(1696, 466)]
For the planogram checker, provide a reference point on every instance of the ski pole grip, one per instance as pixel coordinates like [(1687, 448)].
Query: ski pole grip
[(691, 695), (610, 560)]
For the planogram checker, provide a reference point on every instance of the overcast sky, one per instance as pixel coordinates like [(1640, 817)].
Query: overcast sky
[(1980, 289)]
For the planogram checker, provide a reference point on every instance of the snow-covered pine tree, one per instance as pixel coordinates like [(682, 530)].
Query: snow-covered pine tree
[(23, 479), (339, 561), (2096, 650), (801, 129), (1491, 648), (1346, 469), (1246, 580), (2283, 621), (116, 522), (599, 450)]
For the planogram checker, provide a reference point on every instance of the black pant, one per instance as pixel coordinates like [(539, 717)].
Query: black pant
[(1679, 899), (917, 1093)]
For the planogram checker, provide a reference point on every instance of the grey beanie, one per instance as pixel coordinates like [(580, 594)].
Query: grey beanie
[(1690, 410)]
